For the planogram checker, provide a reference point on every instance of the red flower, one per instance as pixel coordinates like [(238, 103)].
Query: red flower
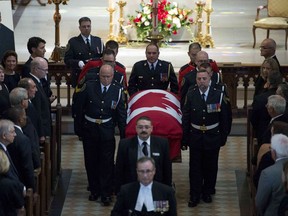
[(174, 32)]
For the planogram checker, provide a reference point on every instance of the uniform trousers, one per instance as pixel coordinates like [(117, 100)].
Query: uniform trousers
[(203, 171), (99, 159)]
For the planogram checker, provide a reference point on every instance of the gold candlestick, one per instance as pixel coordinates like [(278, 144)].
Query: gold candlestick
[(55, 56), (121, 36), (199, 20), (208, 38), (111, 36)]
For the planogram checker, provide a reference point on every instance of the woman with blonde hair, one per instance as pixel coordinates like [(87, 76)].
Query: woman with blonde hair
[(12, 192), (268, 66)]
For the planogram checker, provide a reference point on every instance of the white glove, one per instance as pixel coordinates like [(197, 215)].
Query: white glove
[(81, 64)]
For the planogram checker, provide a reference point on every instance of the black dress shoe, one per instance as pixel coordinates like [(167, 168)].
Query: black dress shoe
[(106, 201), (193, 202), (93, 197), (207, 198)]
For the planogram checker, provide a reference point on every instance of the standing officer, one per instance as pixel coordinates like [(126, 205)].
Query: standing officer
[(152, 73), (98, 107), (82, 48), (206, 124)]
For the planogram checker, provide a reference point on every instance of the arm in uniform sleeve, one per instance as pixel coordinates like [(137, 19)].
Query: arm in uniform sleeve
[(186, 119), (173, 80), (78, 109), (121, 114), (225, 116), (183, 91), (69, 55), (132, 84)]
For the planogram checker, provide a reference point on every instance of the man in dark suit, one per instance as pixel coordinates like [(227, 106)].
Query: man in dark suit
[(206, 122), (4, 93), (82, 48), (21, 150), (7, 136), (260, 117), (146, 197), (98, 107), (271, 189), (39, 69), (131, 149), (36, 48), (152, 73), (268, 49)]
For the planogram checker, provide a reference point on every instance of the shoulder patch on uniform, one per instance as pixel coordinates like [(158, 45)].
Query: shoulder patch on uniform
[(183, 82)]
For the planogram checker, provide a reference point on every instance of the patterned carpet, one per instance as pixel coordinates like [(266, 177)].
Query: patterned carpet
[(232, 164)]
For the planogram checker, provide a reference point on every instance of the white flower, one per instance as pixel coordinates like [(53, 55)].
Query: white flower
[(169, 18), (143, 19), (147, 23), (175, 4), (173, 11), (139, 15), (149, 17), (181, 16), (176, 21), (146, 10)]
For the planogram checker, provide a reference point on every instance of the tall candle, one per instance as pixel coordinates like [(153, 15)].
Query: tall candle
[(208, 4), (111, 3)]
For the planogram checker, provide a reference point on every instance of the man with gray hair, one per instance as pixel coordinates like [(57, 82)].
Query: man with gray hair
[(19, 98), (276, 106), (271, 188)]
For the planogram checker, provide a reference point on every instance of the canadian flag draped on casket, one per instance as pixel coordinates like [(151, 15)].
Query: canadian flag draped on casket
[(163, 108)]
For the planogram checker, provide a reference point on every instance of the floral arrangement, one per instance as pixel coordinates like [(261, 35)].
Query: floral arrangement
[(170, 19)]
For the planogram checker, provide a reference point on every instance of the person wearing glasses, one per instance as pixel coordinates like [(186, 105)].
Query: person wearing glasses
[(41, 102), (145, 196), (202, 62), (97, 109), (143, 144), (268, 49)]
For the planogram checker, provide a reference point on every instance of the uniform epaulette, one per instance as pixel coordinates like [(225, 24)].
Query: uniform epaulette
[(184, 67), (120, 65), (80, 89)]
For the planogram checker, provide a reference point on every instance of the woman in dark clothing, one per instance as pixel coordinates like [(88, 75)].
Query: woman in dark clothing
[(11, 191), (268, 66), (4, 93), (9, 62)]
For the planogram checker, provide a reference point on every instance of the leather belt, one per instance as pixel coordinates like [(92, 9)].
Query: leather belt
[(204, 127), (97, 121)]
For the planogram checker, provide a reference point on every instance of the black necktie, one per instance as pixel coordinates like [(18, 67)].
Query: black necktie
[(152, 67), (104, 90), (144, 209), (145, 149), (87, 43), (203, 98)]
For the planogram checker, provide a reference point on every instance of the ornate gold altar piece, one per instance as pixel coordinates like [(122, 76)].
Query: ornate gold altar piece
[(56, 54), (121, 38), (205, 41)]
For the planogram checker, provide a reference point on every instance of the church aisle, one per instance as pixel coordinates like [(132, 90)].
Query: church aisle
[(232, 160)]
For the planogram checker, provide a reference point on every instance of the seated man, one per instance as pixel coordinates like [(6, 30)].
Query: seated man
[(144, 144), (271, 190), (146, 195)]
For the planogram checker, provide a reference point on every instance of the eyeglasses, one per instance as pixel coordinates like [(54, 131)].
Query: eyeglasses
[(141, 127), (263, 47), (45, 70), (142, 172)]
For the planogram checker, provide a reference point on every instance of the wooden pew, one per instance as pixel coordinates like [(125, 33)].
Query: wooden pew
[(29, 202)]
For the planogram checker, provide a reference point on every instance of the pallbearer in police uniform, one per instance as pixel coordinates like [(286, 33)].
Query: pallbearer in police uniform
[(206, 124), (82, 48), (152, 73), (98, 107)]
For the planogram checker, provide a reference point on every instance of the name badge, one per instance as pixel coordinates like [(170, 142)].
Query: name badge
[(164, 77), (155, 154)]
